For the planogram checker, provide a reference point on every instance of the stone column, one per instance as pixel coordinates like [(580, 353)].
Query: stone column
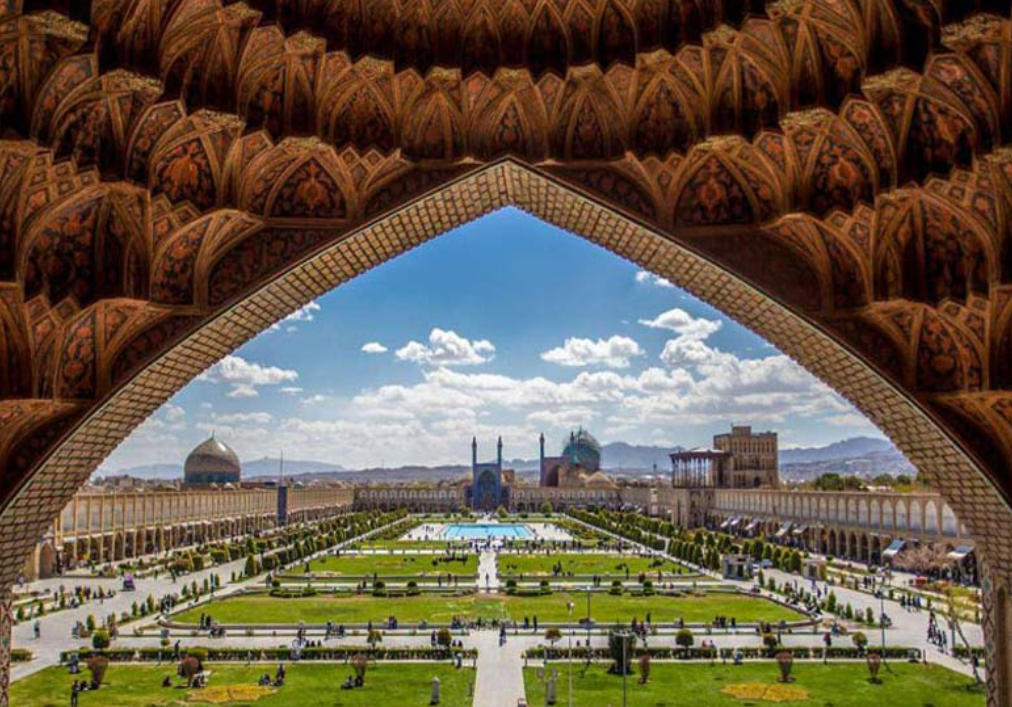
[(996, 622), (6, 622)]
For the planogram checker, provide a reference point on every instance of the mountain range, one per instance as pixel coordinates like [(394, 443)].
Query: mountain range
[(864, 456)]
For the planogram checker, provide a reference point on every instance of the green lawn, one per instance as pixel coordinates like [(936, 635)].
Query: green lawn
[(399, 544), (605, 608), (306, 685), (586, 564), (833, 685), (463, 564)]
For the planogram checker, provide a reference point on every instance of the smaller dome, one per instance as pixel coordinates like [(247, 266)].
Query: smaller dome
[(212, 462)]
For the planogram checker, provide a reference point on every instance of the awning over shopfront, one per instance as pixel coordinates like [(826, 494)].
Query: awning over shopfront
[(750, 528), (800, 530), (725, 523), (960, 553), (734, 521), (894, 548), (783, 530)]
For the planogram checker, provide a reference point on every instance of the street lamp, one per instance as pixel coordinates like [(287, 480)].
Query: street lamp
[(570, 606), (881, 619)]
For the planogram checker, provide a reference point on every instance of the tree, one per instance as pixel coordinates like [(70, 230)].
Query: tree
[(359, 662), (771, 641), (546, 508), (552, 635), (374, 638), (923, 559), (97, 665), (829, 482), (859, 640), (620, 647), (644, 668), (444, 638), (100, 640), (189, 668), (685, 639)]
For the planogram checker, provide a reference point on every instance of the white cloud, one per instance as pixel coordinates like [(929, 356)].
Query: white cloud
[(678, 320), (303, 314), (242, 390), (373, 347), (290, 389), (245, 376), (314, 399), (259, 418), (173, 413), (562, 417), (646, 277), (447, 348), (614, 352)]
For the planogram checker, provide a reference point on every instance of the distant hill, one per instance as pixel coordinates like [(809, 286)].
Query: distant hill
[(264, 467), (863, 456), (844, 449)]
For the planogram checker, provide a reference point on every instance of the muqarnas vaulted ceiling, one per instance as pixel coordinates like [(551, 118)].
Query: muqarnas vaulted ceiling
[(161, 159)]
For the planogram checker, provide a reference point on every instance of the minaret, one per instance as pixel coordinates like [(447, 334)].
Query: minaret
[(541, 439), (474, 453), (499, 453)]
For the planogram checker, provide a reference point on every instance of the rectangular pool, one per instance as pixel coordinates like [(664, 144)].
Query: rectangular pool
[(487, 531)]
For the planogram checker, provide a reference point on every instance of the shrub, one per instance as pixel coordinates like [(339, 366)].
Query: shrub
[(552, 635), (859, 639), (444, 638), (684, 638), (100, 640)]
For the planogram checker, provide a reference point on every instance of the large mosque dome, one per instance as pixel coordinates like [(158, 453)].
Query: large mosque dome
[(581, 448), (212, 462)]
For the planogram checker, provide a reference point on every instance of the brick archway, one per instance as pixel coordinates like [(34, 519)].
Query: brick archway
[(176, 175)]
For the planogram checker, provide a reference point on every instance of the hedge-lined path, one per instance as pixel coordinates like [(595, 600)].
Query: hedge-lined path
[(487, 568), (56, 627), (500, 679)]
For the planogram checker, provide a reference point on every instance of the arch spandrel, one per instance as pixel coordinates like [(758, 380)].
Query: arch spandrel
[(793, 168)]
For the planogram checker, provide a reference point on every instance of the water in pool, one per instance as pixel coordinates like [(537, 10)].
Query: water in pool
[(487, 531)]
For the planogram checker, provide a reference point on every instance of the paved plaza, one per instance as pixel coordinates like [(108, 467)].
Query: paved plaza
[(500, 663)]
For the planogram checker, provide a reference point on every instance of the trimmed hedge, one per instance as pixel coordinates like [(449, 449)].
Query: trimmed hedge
[(222, 654), (751, 652), (21, 655)]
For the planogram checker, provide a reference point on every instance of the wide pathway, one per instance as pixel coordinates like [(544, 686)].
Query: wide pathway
[(500, 679), (488, 572)]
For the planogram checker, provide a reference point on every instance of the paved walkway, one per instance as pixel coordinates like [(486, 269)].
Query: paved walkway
[(488, 573), (500, 680)]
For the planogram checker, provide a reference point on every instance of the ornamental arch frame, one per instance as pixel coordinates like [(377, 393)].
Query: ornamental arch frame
[(176, 175)]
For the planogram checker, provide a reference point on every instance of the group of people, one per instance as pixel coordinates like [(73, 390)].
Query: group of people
[(213, 628), (278, 681), (78, 687), (936, 634)]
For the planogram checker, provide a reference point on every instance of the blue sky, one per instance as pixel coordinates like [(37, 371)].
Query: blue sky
[(504, 326)]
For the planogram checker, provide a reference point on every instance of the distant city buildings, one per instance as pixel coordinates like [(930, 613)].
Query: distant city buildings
[(739, 459)]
